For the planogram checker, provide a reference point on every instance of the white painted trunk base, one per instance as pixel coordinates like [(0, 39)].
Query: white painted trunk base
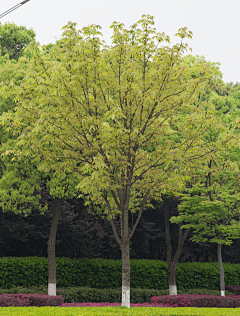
[(126, 296), (223, 293), (172, 290), (52, 289)]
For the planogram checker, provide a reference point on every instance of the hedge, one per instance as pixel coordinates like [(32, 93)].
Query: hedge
[(30, 300), (86, 294), (235, 289), (102, 273), (196, 301)]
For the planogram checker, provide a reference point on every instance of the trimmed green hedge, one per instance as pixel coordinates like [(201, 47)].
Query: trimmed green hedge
[(100, 273)]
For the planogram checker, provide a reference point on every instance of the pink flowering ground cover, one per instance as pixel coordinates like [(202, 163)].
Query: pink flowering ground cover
[(182, 300), (194, 300), (108, 304)]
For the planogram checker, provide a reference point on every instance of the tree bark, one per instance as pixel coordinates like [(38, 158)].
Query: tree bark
[(172, 261), (126, 273), (172, 278), (124, 239), (51, 249), (221, 270)]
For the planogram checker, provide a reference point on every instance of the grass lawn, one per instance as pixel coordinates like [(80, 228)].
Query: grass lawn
[(116, 311)]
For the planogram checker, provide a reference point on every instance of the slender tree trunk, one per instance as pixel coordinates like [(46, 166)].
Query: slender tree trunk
[(126, 273), (221, 270), (51, 249), (124, 241), (172, 261)]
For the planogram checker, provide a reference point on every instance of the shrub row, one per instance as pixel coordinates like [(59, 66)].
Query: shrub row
[(100, 273), (18, 300), (196, 301), (84, 294)]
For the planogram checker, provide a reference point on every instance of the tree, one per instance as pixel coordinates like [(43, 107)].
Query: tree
[(210, 204), (111, 116), (60, 187), (24, 188), (14, 39), (20, 182), (173, 255)]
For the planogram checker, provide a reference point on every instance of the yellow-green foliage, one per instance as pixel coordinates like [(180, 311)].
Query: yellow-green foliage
[(116, 311), (123, 118)]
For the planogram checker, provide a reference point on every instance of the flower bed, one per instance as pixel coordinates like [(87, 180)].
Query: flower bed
[(191, 300), (29, 300), (184, 300), (106, 304)]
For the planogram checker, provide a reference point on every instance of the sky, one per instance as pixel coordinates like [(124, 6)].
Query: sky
[(215, 23)]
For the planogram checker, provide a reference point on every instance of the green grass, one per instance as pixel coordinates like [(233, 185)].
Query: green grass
[(116, 311)]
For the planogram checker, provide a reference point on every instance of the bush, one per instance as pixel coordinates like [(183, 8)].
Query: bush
[(85, 294), (106, 274), (233, 288), (24, 290), (18, 300), (191, 300), (205, 275), (26, 272)]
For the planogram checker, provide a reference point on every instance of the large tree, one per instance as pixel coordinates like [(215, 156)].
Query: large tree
[(112, 115)]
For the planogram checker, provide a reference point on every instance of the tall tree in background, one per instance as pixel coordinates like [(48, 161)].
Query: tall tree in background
[(173, 255), (113, 117), (211, 203), (14, 39), (212, 206)]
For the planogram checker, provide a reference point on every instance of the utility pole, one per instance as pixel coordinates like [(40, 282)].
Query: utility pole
[(13, 8)]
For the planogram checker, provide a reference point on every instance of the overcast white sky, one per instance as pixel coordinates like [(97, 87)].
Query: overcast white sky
[(215, 23)]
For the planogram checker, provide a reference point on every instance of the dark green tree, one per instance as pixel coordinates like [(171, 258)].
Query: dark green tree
[(14, 39)]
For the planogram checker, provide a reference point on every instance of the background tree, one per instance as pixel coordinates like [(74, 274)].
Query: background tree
[(24, 188), (212, 208), (14, 39)]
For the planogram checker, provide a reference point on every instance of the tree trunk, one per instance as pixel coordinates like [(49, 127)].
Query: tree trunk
[(51, 249), (124, 240), (126, 273), (172, 278), (172, 261), (221, 271)]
